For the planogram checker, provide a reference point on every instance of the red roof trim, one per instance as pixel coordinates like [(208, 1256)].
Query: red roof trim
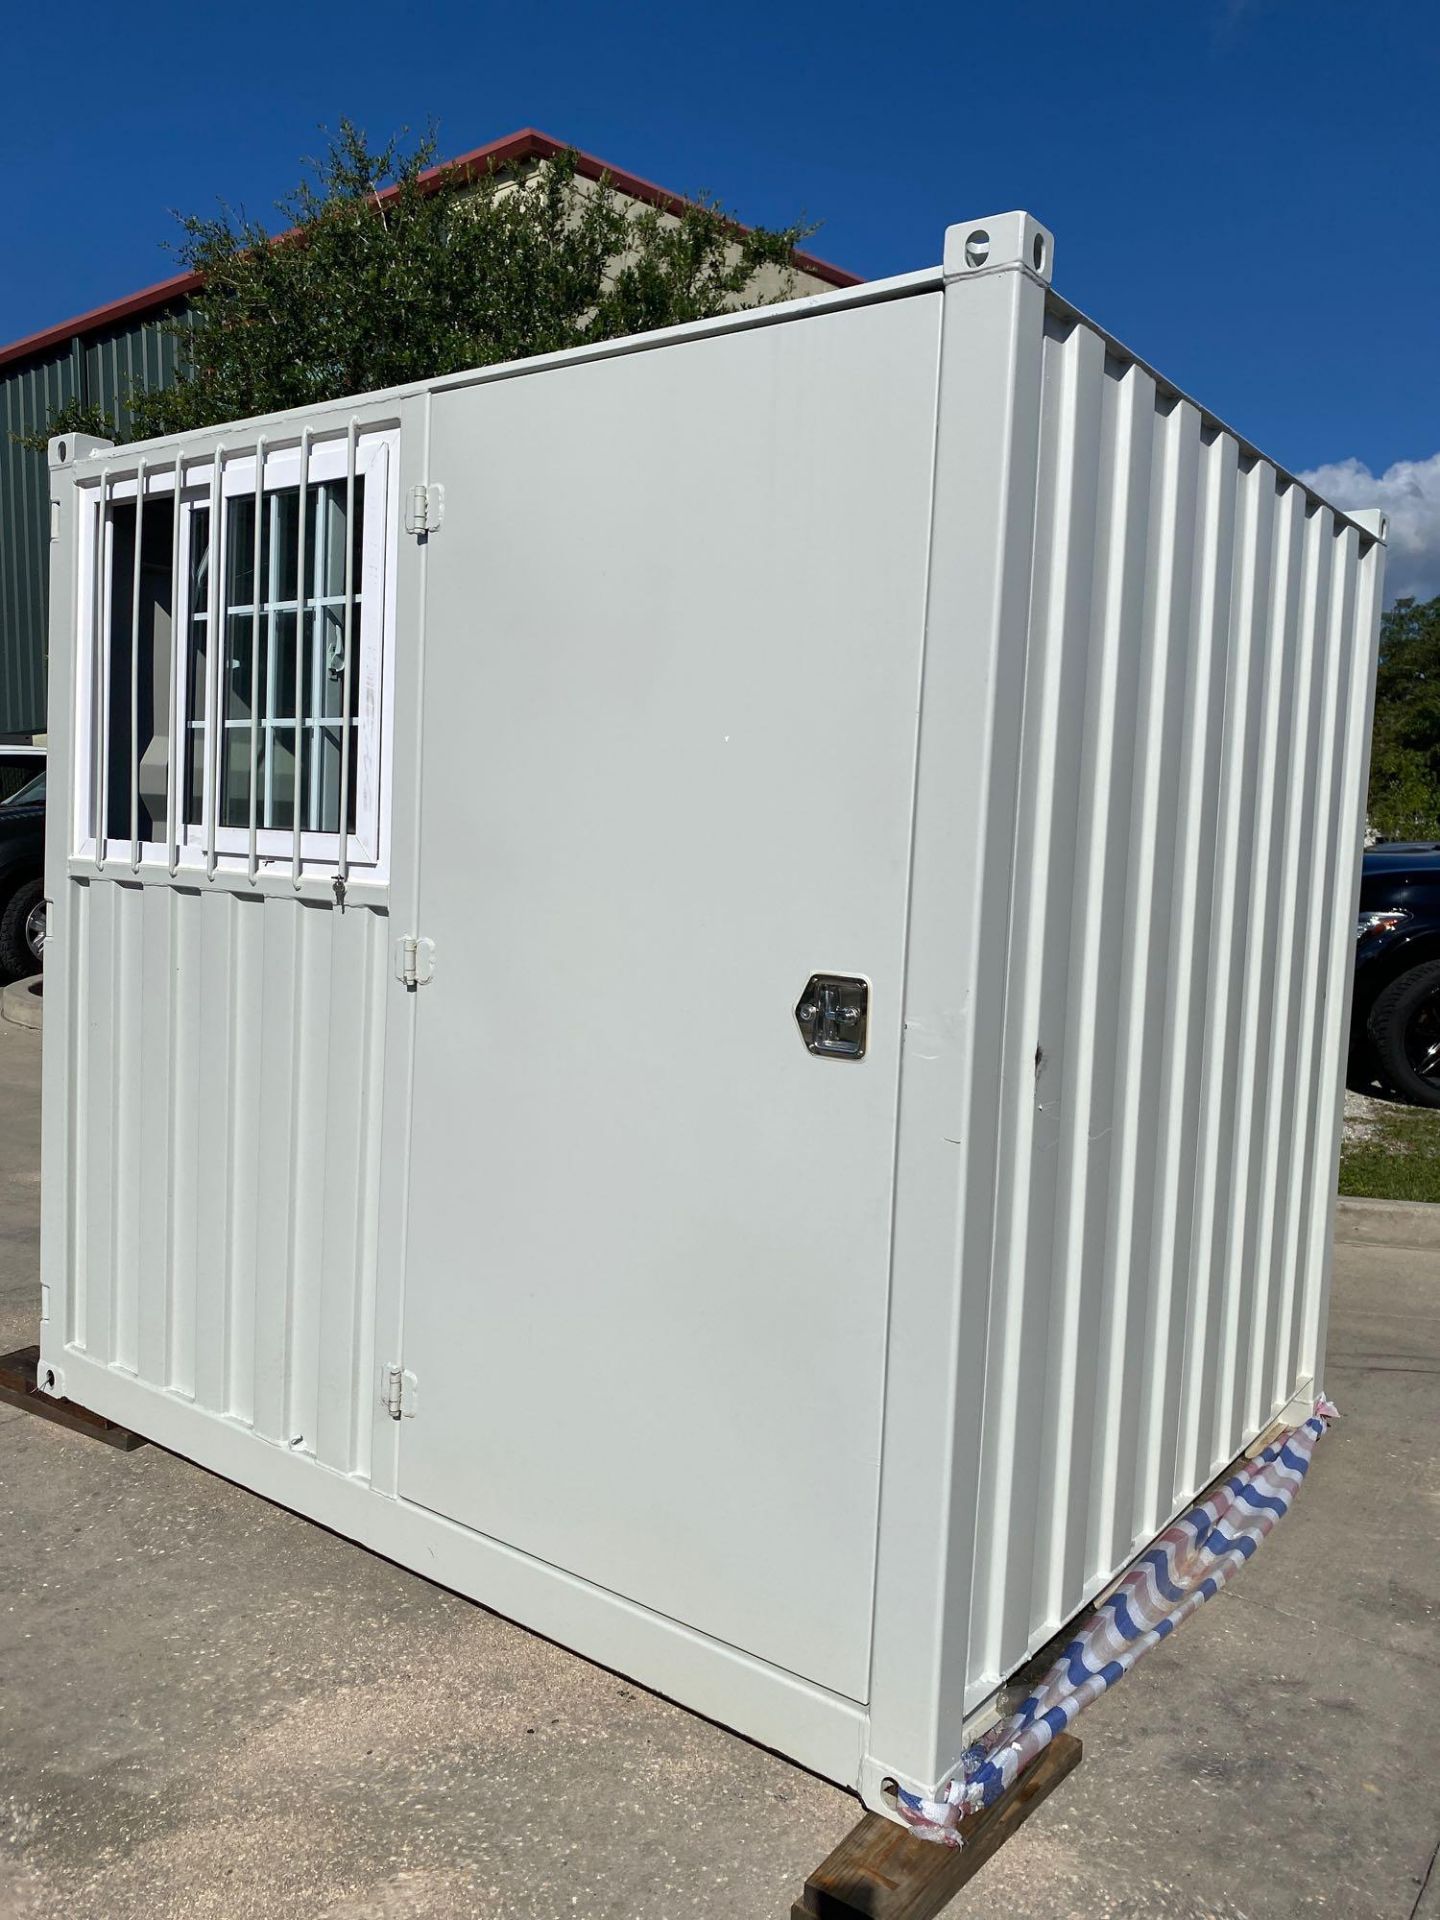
[(528, 144), (149, 298)]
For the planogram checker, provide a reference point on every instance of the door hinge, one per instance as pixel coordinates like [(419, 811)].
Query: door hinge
[(397, 1392), (414, 961), (424, 508)]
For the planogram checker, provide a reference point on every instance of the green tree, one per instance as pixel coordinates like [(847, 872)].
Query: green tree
[(364, 292), (1405, 746)]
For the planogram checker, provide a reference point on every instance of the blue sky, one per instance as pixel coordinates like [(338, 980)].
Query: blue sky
[(1246, 191)]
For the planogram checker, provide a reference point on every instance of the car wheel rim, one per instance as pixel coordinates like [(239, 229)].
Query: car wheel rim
[(35, 930), (1422, 1039)]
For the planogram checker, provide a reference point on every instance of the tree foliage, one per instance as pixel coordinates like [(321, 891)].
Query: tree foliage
[(1405, 746), (372, 288), (72, 416)]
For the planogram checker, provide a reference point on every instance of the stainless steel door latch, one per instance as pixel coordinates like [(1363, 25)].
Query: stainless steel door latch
[(833, 1015)]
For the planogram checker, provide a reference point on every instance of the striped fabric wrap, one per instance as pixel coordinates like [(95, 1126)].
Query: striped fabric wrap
[(1191, 1561)]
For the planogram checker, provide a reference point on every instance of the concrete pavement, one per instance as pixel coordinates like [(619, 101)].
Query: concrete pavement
[(209, 1707)]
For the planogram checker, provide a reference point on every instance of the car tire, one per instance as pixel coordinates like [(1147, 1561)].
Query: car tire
[(16, 955), (1404, 1028)]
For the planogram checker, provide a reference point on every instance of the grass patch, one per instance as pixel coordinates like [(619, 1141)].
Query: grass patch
[(1391, 1152)]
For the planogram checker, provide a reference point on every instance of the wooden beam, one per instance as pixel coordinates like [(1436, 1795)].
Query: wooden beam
[(880, 1871), (18, 1389)]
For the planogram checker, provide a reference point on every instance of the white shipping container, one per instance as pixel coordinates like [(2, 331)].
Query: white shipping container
[(723, 1028)]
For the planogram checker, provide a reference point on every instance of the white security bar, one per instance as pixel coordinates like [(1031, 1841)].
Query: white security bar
[(298, 817), (135, 672), (172, 845), (347, 642), (101, 809), (254, 858), (214, 647)]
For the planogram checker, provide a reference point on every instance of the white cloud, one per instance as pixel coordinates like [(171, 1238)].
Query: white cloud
[(1410, 493)]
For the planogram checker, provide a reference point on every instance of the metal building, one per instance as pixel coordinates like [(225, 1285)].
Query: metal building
[(101, 357), (747, 1069), (99, 367)]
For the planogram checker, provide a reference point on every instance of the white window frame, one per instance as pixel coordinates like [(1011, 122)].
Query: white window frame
[(377, 463)]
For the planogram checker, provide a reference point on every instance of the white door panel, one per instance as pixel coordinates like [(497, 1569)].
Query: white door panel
[(673, 640)]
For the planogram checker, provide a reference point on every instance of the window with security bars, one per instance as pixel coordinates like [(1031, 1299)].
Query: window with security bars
[(235, 711)]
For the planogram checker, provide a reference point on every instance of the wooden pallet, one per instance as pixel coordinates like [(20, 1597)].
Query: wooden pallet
[(881, 1872), (18, 1389)]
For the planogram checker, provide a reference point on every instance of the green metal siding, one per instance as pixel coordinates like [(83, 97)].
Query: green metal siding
[(138, 353), (99, 369), (29, 393)]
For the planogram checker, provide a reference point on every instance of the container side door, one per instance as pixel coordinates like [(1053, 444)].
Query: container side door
[(673, 632)]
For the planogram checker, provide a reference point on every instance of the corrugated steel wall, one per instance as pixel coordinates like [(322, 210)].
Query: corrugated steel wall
[(1185, 841), (133, 357), (100, 370), (227, 1057), (29, 393)]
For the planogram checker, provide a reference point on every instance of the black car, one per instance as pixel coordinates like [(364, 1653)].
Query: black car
[(1397, 967), (22, 879)]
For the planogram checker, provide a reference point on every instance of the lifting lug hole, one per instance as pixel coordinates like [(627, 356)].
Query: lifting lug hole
[(977, 248)]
